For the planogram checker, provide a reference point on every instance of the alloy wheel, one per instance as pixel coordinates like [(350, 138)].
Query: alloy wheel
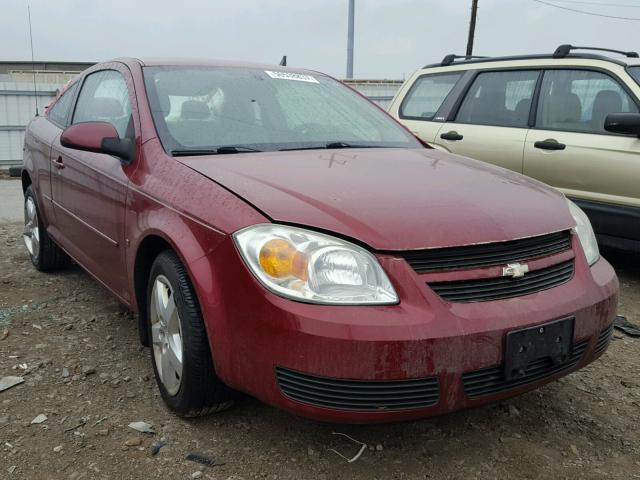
[(166, 334), (31, 233)]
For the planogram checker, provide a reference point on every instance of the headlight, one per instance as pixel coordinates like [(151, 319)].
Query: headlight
[(585, 233), (312, 267)]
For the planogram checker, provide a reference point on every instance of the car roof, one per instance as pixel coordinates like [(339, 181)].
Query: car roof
[(199, 62)]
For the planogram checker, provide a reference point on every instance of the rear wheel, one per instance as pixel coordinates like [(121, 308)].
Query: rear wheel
[(43, 252), (181, 356)]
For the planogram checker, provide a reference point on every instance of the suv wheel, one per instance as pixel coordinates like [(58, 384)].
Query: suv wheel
[(181, 357)]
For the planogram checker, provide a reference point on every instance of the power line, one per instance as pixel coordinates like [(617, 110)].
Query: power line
[(594, 14), (600, 4)]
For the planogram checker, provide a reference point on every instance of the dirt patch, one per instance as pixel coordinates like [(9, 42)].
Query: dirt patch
[(78, 352), (5, 174)]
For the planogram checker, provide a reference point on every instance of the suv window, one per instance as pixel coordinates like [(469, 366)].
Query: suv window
[(579, 101), (104, 98), (60, 110), (427, 94), (499, 98), (635, 73)]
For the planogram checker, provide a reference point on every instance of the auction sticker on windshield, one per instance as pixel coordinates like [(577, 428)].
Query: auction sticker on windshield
[(300, 77)]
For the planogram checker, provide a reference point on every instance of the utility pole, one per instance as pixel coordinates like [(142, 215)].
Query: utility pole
[(472, 27), (350, 39)]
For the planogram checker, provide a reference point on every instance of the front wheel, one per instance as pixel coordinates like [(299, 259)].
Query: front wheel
[(181, 357)]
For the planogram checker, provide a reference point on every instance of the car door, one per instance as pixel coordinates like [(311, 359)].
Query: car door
[(91, 187), (419, 108), (492, 121), (569, 148), (40, 149)]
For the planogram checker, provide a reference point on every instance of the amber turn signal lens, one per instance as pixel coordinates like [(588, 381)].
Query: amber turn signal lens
[(281, 259)]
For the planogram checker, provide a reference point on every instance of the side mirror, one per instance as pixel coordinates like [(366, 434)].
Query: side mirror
[(98, 137), (627, 123)]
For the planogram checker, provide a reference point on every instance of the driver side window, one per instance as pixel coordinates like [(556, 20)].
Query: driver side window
[(580, 100), (104, 98)]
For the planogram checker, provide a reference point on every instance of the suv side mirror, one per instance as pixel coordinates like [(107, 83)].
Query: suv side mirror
[(627, 123), (98, 137)]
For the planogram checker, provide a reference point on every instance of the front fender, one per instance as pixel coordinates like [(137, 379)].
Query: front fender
[(187, 237)]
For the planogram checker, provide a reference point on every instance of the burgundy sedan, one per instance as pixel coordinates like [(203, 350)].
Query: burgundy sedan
[(281, 236)]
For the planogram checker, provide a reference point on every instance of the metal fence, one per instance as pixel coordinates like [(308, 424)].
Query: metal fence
[(17, 108), (378, 91)]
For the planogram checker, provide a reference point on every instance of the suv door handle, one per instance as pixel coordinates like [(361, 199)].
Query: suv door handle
[(452, 135), (59, 164), (550, 144)]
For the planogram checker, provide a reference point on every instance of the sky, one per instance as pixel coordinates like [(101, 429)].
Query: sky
[(392, 37)]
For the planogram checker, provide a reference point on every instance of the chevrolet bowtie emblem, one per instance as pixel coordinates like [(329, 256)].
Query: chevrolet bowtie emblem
[(515, 270)]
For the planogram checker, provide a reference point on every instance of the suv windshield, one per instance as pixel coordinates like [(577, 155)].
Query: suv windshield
[(635, 73), (235, 110)]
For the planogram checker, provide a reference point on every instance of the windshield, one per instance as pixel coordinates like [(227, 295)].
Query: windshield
[(635, 73), (202, 109)]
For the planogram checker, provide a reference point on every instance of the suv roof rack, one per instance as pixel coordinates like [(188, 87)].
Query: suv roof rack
[(564, 50), (449, 59)]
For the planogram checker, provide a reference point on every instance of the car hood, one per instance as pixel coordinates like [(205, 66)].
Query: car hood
[(391, 199)]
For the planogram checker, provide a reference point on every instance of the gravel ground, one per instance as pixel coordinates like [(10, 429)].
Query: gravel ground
[(78, 352), (10, 199)]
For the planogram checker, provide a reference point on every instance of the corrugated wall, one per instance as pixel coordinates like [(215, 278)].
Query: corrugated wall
[(17, 108), (378, 91)]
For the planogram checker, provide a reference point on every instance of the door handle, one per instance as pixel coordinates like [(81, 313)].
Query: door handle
[(452, 135), (59, 164), (550, 144)]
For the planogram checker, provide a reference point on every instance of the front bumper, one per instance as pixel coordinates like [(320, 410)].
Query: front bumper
[(327, 352)]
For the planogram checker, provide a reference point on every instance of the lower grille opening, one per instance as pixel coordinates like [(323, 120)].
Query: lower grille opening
[(489, 381), (365, 395), (504, 287), (603, 340)]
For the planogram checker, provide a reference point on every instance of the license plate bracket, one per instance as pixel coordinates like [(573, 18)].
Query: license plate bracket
[(552, 340)]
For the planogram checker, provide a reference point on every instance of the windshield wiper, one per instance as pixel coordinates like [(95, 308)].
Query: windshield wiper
[(332, 146), (236, 149), (214, 151), (186, 153)]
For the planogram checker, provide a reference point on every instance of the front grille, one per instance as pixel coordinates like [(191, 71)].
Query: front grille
[(358, 394), (484, 255), (603, 340), (490, 381), (504, 287)]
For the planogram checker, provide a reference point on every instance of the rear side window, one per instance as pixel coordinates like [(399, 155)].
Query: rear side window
[(499, 98), (60, 110), (104, 98), (635, 73), (427, 94), (580, 100)]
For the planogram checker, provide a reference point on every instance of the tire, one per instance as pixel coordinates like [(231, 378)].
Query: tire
[(45, 255), (180, 353)]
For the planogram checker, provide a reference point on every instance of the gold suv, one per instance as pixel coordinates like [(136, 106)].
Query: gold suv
[(568, 119)]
